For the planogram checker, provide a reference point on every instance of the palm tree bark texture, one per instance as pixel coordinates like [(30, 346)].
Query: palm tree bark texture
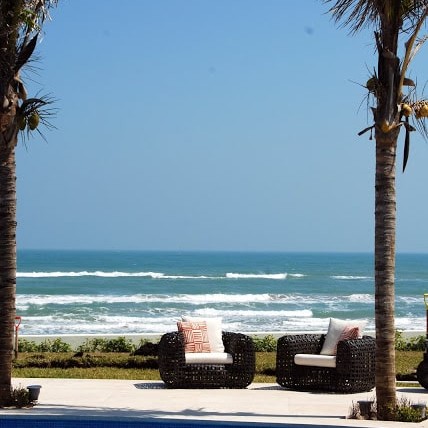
[(7, 267), (385, 221), (386, 117)]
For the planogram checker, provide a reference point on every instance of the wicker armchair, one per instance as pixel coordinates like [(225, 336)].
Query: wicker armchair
[(177, 374), (354, 371)]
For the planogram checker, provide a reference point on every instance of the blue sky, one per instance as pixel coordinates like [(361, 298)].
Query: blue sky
[(208, 125)]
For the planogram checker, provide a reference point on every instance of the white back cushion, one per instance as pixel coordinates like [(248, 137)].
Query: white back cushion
[(334, 332)]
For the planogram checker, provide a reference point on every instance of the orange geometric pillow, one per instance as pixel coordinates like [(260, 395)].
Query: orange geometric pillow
[(195, 336), (348, 333)]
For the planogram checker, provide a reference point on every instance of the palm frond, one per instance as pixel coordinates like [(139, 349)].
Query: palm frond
[(33, 15), (411, 11), (412, 45), (406, 146), (355, 14), (25, 53), (422, 128), (418, 44)]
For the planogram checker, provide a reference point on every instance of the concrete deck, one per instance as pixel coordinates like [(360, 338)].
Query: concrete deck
[(260, 403)]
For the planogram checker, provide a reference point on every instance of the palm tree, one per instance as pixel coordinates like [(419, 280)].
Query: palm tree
[(392, 108), (20, 23)]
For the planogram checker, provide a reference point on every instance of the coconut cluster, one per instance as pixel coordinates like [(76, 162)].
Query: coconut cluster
[(32, 121), (420, 109)]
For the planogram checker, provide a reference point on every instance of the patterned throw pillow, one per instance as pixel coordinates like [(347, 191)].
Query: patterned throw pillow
[(348, 333), (195, 336), (214, 327)]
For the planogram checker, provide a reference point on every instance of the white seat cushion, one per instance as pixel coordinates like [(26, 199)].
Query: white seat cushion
[(314, 360), (208, 358)]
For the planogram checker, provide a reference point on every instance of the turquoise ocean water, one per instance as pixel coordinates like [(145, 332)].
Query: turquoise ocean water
[(125, 292)]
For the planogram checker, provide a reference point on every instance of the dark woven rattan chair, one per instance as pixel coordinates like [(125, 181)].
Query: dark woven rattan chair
[(354, 371), (177, 374)]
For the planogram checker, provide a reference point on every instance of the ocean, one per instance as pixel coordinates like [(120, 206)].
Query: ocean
[(142, 292)]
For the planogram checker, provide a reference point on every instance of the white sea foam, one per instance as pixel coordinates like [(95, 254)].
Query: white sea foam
[(70, 299), (195, 299), (351, 277), (101, 274), (232, 321), (361, 298), (220, 298), (153, 275), (256, 275), (118, 325), (410, 300), (239, 320), (304, 313), (24, 300), (87, 273)]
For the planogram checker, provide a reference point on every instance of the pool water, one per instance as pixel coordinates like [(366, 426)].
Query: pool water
[(102, 422)]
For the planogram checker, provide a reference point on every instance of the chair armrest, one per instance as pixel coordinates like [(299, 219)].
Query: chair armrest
[(241, 372), (236, 342), (240, 346), (171, 349), (356, 352), (288, 373)]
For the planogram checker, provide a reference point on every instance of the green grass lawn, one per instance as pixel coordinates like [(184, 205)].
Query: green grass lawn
[(124, 366)]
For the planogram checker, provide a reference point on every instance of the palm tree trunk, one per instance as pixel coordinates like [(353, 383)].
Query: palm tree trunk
[(7, 266), (385, 221), (20, 23)]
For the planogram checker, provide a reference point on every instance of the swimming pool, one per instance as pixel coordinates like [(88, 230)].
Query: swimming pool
[(103, 422)]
